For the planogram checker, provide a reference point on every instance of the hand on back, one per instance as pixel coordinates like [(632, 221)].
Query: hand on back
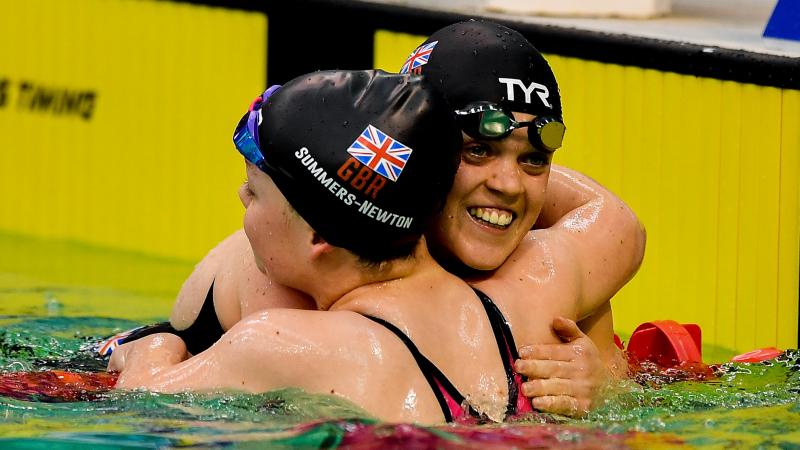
[(563, 378)]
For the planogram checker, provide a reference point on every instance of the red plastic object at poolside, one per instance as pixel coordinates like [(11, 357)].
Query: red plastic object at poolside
[(666, 343), (757, 355), (56, 385)]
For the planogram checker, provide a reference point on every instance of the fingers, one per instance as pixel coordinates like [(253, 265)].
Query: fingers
[(532, 368), (554, 387), (160, 348), (118, 357), (557, 396), (560, 404), (566, 329), (553, 352), (550, 387)]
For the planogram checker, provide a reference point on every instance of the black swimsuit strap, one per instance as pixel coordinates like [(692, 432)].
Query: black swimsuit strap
[(506, 345), (202, 334), (206, 329), (429, 370)]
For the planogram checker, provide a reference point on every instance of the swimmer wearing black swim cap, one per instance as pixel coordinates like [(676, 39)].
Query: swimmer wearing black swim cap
[(503, 73), (341, 148)]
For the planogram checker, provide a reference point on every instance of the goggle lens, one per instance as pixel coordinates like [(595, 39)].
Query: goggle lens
[(483, 120), (245, 142), (551, 134), (494, 124)]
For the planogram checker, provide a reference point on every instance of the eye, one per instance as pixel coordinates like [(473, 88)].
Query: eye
[(475, 151), (536, 160)]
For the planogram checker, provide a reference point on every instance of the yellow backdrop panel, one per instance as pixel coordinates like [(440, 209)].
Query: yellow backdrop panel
[(711, 168), (116, 118)]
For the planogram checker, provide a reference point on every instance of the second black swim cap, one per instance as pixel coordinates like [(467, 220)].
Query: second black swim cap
[(365, 157), (479, 60)]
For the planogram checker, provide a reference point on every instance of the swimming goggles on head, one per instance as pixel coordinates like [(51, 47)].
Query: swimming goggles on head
[(245, 138), (486, 120)]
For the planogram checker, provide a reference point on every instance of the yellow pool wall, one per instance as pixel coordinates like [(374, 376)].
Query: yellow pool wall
[(709, 166), (153, 169)]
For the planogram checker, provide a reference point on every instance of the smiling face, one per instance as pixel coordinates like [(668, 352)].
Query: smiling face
[(497, 195)]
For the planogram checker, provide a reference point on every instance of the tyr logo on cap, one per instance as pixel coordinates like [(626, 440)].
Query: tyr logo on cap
[(380, 152), (540, 89)]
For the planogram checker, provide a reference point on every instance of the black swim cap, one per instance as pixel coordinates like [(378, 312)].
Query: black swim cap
[(479, 60), (365, 157)]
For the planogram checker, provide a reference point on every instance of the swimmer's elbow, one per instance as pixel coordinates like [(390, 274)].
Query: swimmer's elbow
[(638, 245), (633, 238)]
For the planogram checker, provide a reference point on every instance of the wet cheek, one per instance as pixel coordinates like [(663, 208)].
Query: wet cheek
[(250, 227)]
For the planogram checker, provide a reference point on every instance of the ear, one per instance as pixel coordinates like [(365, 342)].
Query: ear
[(319, 246)]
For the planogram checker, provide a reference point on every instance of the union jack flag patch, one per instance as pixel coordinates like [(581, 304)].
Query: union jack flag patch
[(108, 346), (380, 152), (418, 57)]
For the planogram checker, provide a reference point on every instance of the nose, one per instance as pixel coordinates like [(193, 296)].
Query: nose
[(505, 178)]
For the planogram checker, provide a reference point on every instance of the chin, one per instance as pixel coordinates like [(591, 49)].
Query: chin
[(483, 261)]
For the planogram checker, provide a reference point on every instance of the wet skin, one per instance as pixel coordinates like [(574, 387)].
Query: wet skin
[(496, 197), (508, 178)]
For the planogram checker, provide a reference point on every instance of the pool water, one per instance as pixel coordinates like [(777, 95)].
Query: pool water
[(57, 299)]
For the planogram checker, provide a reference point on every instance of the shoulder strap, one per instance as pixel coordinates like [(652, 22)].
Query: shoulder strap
[(206, 329), (507, 347), (442, 387)]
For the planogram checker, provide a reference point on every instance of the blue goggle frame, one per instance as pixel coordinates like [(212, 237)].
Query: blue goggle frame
[(245, 138)]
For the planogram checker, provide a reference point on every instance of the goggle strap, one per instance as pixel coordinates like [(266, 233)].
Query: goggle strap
[(254, 114)]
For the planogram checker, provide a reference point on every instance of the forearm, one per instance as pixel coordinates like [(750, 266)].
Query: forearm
[(601, 231), (599, 327), (565, 193)]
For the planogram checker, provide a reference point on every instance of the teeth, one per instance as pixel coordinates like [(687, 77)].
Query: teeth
[(495, 217), (504, 220)]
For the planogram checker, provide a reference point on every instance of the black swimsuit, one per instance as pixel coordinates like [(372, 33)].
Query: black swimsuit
[(206, 330), (202, 334)]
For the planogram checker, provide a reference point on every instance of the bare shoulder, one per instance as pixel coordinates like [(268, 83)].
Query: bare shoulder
[(336, 352), (223, 263), (544, 257), (348, 334)]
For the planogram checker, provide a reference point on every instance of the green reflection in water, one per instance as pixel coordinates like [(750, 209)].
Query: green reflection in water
[(56, 299)]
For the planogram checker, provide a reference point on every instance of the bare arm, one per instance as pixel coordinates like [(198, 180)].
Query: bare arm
[(606, 238), (339, 353), (563, 197), (602, 241), (599, 327)]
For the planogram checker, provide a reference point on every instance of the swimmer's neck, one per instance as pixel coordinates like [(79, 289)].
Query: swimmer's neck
[(354, 280)]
